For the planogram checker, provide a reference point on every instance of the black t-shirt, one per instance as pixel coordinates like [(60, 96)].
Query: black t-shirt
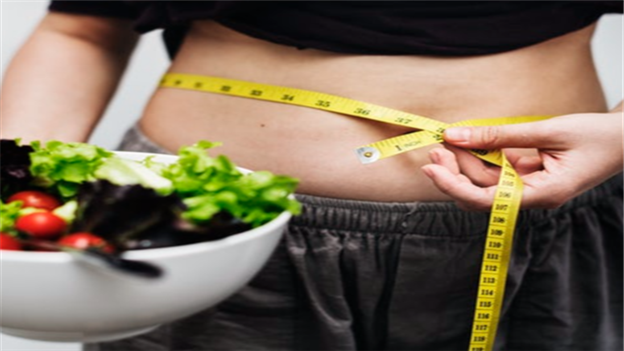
[(448, 28)]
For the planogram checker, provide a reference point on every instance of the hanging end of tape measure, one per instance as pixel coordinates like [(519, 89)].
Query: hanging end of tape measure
[(367, 154)]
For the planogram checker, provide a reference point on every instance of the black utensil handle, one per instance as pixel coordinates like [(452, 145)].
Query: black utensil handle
[(99, 258), (139, 268)]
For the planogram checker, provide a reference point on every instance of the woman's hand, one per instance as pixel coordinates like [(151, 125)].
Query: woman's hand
[(575, 153)]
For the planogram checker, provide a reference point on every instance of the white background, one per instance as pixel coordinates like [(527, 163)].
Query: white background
[(18, 18)]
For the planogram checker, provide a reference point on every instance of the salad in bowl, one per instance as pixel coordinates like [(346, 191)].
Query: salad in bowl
[(209, 225)]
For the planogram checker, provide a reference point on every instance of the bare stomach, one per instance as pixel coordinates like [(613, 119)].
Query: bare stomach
[(556, 77)]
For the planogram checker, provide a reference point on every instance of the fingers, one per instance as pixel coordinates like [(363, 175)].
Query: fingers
[(524, 164), (549, 190), (523, 135), (472, 183), (445, 158), (460, 188), (481, 173), (574, 155), (537, 192)]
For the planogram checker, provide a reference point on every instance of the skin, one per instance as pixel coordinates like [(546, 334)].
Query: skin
[(556, 174), (556, 77)]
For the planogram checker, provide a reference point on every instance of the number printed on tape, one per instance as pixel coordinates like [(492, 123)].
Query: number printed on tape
[(427, 132)]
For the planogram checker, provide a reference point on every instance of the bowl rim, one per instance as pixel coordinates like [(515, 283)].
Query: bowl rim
[(162, 252)]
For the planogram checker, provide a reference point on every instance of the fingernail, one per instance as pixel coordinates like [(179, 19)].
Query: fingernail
[(427, 172), (434, 156), (457, 134)]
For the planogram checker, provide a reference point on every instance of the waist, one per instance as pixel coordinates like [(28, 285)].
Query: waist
[(318, 146)]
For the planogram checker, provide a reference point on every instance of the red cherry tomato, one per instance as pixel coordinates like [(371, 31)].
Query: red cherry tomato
[(8, 242), (85, 240), (44, 225), (36, 199)]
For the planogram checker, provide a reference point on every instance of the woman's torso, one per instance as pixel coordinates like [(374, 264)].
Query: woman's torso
[(555, 77)]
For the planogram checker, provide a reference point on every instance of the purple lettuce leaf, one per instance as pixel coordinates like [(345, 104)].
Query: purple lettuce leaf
[(14, 167)]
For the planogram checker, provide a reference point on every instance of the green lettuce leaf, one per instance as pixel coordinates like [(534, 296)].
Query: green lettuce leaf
[(64, 166), (8, 215), (210, 185), (127, 172)]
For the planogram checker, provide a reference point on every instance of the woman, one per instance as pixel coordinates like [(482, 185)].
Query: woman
[(380, 258)]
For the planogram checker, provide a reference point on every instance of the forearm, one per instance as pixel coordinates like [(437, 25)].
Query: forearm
[(60, 82)]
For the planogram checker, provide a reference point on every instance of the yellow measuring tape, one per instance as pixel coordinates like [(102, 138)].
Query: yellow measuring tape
[(507, 198)]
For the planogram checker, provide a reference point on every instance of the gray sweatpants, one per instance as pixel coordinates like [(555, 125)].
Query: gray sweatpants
[(403, 276)]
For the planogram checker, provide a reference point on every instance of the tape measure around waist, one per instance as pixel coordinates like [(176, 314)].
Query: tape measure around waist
[(502, 222)]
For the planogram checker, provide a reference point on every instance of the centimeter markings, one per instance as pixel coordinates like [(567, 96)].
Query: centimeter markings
[(407, 142), (496, 257), (300, 97), (396, 145), (507, 198), (366, 154)]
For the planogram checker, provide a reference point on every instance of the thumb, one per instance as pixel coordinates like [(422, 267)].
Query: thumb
[(522, 135)]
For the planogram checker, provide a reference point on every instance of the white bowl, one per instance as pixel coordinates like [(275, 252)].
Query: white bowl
[(52, 297)]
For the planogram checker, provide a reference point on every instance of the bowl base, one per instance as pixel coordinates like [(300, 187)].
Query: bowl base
[(75, 336)]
